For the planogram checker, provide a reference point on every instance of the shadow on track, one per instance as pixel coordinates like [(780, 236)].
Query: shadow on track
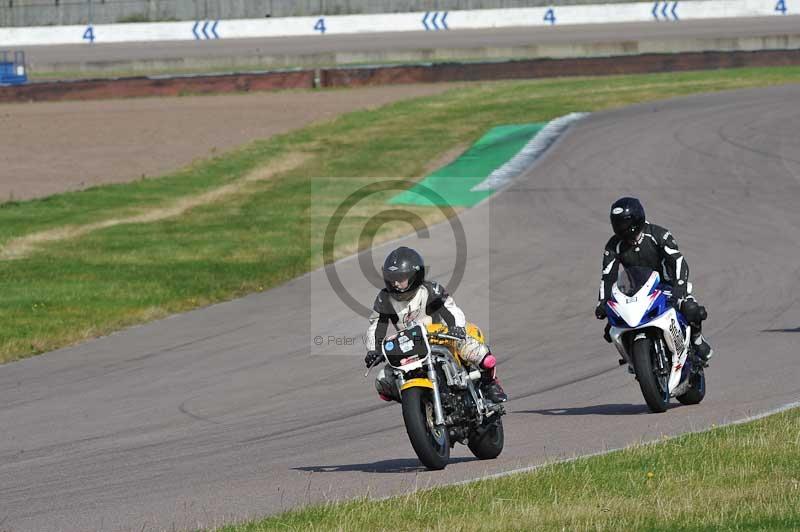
[(597, 410), (401, 465), (796, 329)]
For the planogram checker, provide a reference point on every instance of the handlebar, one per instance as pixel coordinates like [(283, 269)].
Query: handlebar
[(445, 336), (375, 363)]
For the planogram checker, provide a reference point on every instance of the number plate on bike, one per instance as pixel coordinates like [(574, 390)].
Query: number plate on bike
[(406, 344)]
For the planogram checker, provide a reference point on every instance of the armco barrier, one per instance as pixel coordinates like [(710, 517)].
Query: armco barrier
[(391, 75), (657, 11), (51, 12)]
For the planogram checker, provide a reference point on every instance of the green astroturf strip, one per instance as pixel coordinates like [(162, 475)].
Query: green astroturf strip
[(451, 185)]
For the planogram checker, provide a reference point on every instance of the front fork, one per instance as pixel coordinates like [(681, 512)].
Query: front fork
[(438, 411), (664, 357)]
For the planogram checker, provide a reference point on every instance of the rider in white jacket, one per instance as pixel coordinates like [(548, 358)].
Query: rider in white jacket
[(409, 299)]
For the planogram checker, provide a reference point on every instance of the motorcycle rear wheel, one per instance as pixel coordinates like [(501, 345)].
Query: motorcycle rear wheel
[(656, 397), (488, 444), (697, 390), (430, 442)]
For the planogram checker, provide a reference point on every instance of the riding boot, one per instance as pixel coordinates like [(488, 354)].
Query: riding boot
[(489, 381), (701, 347)]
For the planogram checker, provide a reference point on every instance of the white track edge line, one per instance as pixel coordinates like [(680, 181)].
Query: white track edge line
[(528, 469), (529, 153)]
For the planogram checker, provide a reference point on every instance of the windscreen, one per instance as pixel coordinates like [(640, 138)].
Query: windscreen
[(631, 280)]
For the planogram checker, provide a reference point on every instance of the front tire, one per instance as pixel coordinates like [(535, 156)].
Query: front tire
[(431, 443), (696, 391), (488, 444), (654, 390)]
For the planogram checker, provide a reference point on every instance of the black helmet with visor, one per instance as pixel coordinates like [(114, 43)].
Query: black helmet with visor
[(627, 219), (403, 273)]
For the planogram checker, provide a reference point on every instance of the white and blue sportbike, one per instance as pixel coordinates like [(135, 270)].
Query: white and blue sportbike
[(653, 339)]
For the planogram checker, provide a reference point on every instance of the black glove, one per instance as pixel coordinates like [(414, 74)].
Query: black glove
[(693, 312), (372, 358), (458, 332), (607, 333), (600, 311)]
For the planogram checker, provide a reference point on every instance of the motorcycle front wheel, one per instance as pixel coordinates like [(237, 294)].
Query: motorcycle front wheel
[(654, 387), (430, 442)]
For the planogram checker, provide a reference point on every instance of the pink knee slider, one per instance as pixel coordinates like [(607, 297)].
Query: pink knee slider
[(488, 362)]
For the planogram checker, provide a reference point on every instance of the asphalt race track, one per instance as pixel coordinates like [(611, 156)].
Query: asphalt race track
[(232, 411), (503, 38)]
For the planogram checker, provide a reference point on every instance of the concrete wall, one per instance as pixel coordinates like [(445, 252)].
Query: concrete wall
[(15, 13)]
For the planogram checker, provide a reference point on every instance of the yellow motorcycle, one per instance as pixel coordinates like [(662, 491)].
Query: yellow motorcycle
[(440, 395)]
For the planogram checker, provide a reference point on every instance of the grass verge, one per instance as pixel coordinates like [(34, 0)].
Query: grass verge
[(739, 477), (91, 282)]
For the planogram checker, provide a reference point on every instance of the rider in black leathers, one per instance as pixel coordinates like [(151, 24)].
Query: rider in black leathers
[(636, 242)]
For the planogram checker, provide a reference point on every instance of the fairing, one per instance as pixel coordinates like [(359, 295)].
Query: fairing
[(649, 309), (632, 303)]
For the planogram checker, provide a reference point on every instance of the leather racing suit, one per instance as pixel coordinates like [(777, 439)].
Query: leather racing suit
[(657, 250), (431, 303), (431, 300)]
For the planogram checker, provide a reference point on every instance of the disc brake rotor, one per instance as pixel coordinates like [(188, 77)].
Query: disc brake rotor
[(436, 432)]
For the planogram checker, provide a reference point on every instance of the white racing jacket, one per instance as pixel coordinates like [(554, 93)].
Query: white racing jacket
[(431, 301)]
